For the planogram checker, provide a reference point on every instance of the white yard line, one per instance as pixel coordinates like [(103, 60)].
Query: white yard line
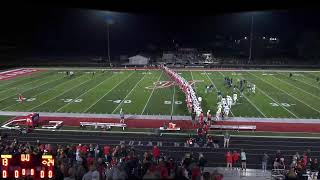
[(33, 95), (297, 87), (145, 106), (308, 84), (107, 93), (302, 82), (216, 89), (195, 87), (61, 93), (250, 101), (211, 81), (31, 88), (286, 93), (277, 102), (85, 92), (172, 103), (129, 93), (12, 88)]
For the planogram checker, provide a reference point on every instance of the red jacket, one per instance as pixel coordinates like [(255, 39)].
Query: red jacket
[(229, 158), (235, 157), (90, 161), (106, 150), (156, 152)]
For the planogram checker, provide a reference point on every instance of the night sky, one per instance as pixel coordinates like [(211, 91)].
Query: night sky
[(61, 31)]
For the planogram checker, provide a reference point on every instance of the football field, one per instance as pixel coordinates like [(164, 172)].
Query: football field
[(150, 92)]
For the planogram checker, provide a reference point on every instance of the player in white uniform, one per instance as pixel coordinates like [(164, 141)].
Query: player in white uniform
[(223, 101), (229, 101), (235, 97), (218, 113), (253, 88), (226, 111)]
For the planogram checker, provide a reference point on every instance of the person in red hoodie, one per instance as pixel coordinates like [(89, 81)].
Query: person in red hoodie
[(201, 118), (235, 158), (229, 159), (156, 153), (106, 151), (205, 129), (90, 160)]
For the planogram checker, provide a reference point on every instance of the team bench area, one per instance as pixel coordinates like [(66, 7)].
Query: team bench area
[(102, 125), (233, 127), (171, 127)]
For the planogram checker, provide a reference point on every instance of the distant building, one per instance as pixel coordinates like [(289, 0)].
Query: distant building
[(139, 60)]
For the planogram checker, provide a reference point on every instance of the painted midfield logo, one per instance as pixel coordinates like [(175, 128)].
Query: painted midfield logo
[(166, 84)]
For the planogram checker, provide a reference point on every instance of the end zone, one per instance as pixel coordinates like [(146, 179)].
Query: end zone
[(16, 72)]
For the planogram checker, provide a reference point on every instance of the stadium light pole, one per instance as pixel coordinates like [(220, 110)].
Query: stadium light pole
[(109, 23), (251, 36)]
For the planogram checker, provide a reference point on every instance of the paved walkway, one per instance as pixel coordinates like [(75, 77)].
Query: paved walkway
[(236, 174), (164, 117)]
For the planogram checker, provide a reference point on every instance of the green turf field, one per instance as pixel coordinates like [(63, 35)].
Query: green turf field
[(51, 91)]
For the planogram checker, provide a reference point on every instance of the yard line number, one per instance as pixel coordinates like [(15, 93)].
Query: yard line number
[(175, 102), (26, 99), (72, 100), (119, 101), (281, 104)]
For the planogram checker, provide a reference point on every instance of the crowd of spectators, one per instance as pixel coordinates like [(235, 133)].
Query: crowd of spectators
[(104, 162), (301, 166)]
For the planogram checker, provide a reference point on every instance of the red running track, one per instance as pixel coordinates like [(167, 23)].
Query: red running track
[(152, 123)]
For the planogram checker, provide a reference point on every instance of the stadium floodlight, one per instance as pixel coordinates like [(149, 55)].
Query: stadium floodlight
[(246, 37), (263, 37)]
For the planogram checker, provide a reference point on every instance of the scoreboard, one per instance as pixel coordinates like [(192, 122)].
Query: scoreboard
[(27, 165)]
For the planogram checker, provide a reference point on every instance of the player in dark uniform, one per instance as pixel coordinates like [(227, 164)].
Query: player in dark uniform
[(290, 75)]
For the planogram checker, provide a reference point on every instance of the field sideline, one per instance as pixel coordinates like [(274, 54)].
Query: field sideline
[(277, 95)]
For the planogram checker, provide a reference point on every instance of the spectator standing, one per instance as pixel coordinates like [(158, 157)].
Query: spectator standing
[(265, 158), (121, 116), (156, 153), (202, 162), (226, 140), (243, 160), (235, 159), (215, 143), (314, 165), (193, 117), (229, 159)]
